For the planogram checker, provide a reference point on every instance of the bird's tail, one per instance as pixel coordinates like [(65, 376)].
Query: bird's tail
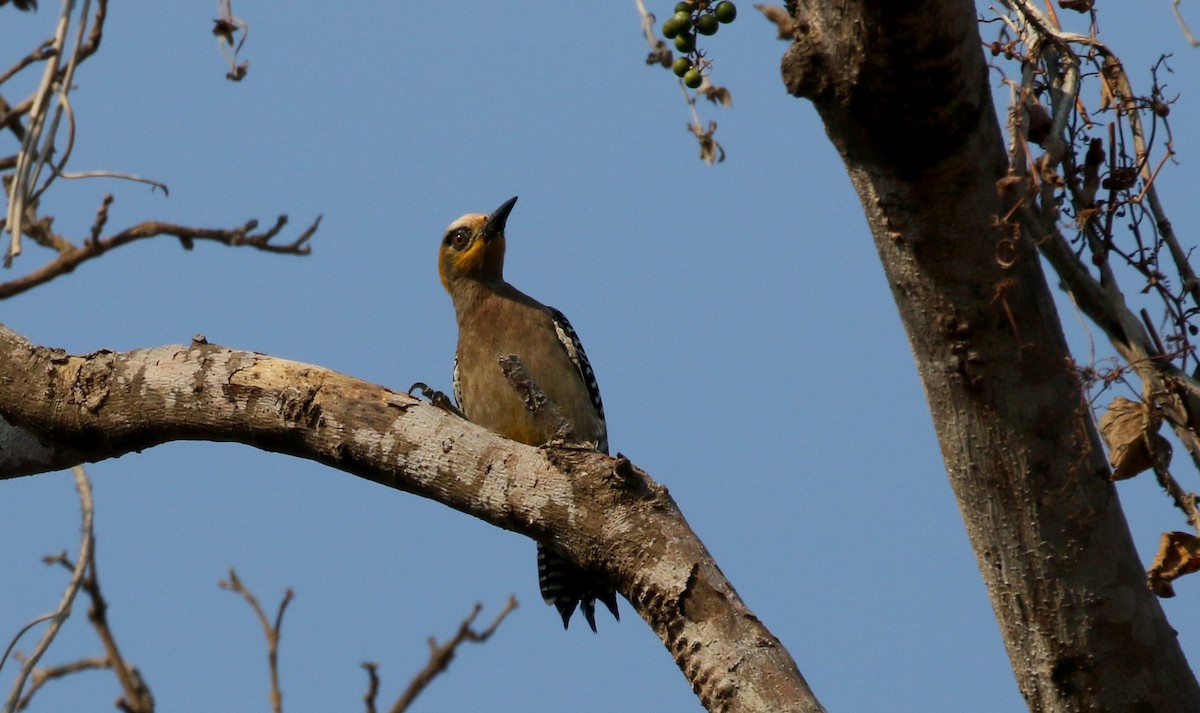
[(566, 586)]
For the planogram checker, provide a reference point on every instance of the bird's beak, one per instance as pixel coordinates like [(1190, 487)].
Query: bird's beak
[(494, 227)]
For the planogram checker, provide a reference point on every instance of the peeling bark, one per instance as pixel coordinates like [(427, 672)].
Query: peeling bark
[(605, 513), (902, 89)]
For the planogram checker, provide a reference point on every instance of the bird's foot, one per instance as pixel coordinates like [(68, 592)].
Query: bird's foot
[(437, 398)]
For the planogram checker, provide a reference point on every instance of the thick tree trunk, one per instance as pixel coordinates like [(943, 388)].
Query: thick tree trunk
[(608, 515), (903, 91)]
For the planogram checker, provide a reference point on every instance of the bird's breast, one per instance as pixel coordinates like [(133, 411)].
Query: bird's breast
[(490, 401)]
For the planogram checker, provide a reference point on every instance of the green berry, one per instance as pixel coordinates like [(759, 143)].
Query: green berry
[(725, 11), (681, 66), (693, 79), (683, 7), (670, 29), (685, 43), (707, 25), (683, 20)]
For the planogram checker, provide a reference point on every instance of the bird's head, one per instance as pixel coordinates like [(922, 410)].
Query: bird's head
[(473, 247)]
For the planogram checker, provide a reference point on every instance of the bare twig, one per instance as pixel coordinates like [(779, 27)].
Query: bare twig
[(97, 34), (441, 655), (65, 83), (75, 175), (64, 607), (42, 676), (137, 695), (17, 637), (1183, 25), (22, 183), (24, 191), (44, 50), (10, 117), (270, 631), (1160, 456), (243, 236), (38, 138), (138, 698), (372, 693)]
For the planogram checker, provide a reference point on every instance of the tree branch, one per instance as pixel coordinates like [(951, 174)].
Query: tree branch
[(71, 256), (603, 513), (440, 655), (902, 90), (68, 598), (372, 670), (138, 698), (270, 631), (42, 676)]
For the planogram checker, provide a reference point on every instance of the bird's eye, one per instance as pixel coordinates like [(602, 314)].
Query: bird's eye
[(458, 239)]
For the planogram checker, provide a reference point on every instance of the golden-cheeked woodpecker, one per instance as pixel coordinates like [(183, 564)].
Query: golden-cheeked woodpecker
[(496, 319)]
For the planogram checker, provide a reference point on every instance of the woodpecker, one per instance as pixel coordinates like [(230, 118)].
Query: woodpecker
[(496, 319)]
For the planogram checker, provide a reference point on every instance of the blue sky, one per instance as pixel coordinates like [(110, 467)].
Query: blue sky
[(737, 317)]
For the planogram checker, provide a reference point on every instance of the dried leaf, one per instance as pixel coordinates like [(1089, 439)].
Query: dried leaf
[(1111, 89), (1178, 554), (224, 29), (1120, 179), (1091, 171), (1076, 5), (783, 21), (238, 73), (1040, 122), (1124, 428), (716, 95), (710, 151), (660, 55)]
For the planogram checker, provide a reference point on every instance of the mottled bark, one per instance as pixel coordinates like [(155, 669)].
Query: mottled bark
[(903, 91), (607, 514)]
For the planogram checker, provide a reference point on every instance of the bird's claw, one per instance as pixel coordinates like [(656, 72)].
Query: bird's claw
[(437, 398)]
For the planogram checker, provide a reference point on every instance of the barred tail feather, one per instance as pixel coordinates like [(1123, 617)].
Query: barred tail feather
[(566, 586)]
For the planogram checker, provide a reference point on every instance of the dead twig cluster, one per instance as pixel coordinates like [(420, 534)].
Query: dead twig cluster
[(82, 578), (71, 255), (439, 659), (1085, 152), (270, 631), (440, 656), (44, 112), (43, 125)]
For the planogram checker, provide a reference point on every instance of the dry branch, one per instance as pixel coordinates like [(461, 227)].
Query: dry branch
[(440, 655), (64, 607), (71, 256), (138, 698), (372, 670), (270, 631), (42, 676), (602, 513)]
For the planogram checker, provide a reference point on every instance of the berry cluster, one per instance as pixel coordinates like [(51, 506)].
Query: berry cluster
[(691, 18)]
